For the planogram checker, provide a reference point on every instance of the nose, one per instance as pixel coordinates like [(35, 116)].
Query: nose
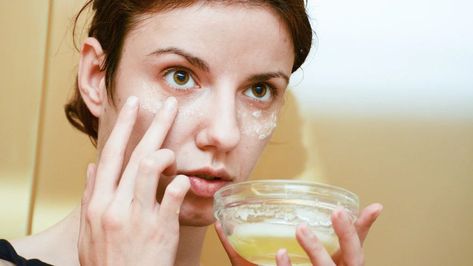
[(220, 130)]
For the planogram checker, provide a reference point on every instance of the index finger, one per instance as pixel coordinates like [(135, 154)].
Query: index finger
[(150, 142), (111, 157), (159, 128), (363, 224), (366, 220), (350, 244)]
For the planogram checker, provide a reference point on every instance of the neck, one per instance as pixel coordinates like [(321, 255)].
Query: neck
[(190, 245)]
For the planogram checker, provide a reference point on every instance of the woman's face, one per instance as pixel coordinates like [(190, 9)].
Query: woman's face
[(228, 67)]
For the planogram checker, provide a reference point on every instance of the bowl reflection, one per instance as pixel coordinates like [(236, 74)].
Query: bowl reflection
[(260, 217)]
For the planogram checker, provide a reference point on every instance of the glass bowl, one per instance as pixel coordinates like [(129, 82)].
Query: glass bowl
[(260, 217)]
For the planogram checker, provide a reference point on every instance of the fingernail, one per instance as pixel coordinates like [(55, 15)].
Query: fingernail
[(132, 101), (304, 228), (380, 207), (378, 210), (344, 216), (183, 180), (282, 252), (170, 104), (305, 231)]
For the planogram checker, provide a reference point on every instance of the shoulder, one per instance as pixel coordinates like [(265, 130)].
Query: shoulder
[(9, 256), (6, 263), (7, 253), (56, 245)]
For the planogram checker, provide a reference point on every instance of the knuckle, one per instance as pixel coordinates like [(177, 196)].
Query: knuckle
[(361, 260), (348, 233), (147, 164), (138, 154), (110, 152), (84, 201), (111, 220), (351, 233), (316, 247), (92, 213)]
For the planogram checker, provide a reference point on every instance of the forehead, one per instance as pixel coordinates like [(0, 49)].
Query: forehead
[(237, 32)]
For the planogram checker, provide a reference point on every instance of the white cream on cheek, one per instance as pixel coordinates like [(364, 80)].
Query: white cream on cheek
[(151, 101), (260, 124), (256, 124), (192, 107), (189, 106)]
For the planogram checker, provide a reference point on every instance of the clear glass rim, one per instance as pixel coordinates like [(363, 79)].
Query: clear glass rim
[(314, 184)]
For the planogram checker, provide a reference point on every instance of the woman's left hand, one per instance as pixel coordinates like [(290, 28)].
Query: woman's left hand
[(351, 237)]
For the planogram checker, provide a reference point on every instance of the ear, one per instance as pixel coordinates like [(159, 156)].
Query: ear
[(91, 78)]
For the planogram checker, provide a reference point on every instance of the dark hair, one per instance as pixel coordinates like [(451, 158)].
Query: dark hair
[(112, 20)]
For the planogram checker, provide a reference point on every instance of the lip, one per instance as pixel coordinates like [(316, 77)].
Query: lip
[(207, 187), (222, 174)]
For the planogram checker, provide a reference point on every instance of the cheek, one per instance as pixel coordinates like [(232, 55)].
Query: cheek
[(257, 124), (248, 155), (190, 107), (150, 99), (142, 124)]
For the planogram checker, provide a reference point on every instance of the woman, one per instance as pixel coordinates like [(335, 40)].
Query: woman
[(180, 98)]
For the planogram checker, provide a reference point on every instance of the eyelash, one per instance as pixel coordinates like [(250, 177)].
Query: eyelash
[(179, 68), (272, 89)]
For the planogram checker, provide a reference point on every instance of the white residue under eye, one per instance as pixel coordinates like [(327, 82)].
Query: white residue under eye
[(257, 124), (256, 114), (193, 108), (267, 128), (151, 101)]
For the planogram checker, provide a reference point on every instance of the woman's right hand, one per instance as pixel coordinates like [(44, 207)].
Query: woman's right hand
[(121, 221)]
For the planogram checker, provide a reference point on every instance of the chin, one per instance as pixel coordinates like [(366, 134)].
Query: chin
[(196, 211)]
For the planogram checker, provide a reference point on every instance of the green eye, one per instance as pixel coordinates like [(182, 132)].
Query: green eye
[(259, 91), (179, 79)]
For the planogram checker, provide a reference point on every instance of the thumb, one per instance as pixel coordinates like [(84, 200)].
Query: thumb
[(88, 191), (235, 259), (89, 185)]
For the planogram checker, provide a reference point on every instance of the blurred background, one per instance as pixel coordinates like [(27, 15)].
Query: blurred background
[(383, 107)]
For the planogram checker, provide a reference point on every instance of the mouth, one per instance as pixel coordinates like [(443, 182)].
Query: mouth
[(206, 181), (208, 177)]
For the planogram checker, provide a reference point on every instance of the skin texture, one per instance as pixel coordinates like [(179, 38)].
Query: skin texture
[(215, 138), (143, 204), (137, 193)]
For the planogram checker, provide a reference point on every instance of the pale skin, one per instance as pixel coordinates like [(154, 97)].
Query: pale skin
[(141, 205)]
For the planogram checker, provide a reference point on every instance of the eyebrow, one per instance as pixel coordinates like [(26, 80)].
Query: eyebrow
[(193, 60), (267, 76), (200, 63)]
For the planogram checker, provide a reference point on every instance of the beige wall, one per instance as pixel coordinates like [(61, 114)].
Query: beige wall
[(421, 170)]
